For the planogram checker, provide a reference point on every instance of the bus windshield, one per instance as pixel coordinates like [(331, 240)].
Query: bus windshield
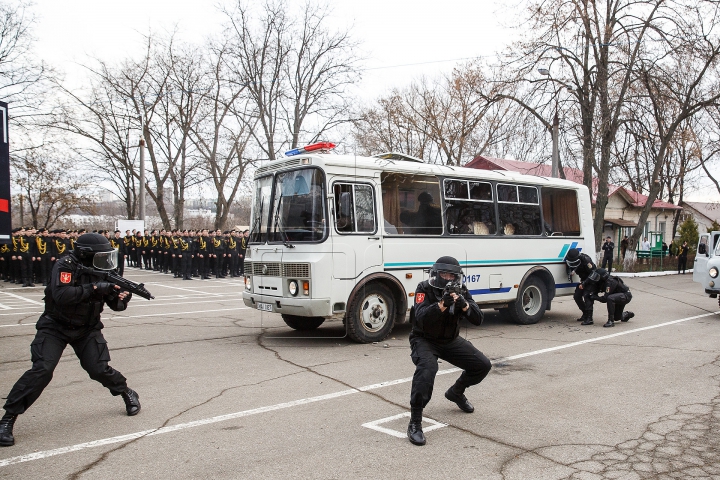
[(260, 210), (297, 213)]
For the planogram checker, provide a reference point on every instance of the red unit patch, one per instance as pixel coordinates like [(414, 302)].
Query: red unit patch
[(65, 277), (419, 297)]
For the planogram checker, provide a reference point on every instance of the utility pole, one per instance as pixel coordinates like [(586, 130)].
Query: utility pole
[(142, 179), (555, 150)]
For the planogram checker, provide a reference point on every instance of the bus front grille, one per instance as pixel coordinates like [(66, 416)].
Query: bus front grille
[(296, 270), (270, 269)]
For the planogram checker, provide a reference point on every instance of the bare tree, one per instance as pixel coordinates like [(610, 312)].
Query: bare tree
[(295, 71), (49, 184), (222, 134), (23, 78), (679, 79)]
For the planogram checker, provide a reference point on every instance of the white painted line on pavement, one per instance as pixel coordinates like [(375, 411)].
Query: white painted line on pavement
[(121, 317), (23, 298), (375, 425), (305, 401)]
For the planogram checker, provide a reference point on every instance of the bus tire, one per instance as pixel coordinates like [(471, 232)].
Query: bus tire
[(530, 305), (371, 314), (302, 323)]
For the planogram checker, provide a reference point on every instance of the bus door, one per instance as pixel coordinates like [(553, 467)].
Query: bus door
[(356, 237)]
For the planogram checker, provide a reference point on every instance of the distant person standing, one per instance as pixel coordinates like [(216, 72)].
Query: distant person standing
[(682, 257), (645, 244), (624, 245), (608, 247)]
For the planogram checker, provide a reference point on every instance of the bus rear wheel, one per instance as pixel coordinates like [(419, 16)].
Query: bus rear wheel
[(371, 314), (530, 304), (302, 323)]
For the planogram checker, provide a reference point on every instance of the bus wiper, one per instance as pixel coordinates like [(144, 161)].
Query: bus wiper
[(276, 221)]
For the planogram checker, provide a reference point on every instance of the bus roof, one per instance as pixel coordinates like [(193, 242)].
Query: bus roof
[(404, 166)]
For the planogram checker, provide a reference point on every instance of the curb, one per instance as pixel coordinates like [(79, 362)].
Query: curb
[(649, 274)]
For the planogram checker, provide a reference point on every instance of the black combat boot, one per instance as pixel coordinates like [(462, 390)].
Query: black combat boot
[(132, 402), (582, 319), (456, 394), (627, 316), (588, 319), (610, 322), (414, 431), (6, 430)]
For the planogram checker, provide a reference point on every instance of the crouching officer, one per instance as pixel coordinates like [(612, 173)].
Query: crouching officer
[(435, 333), (72, 316), (583, 266), (616, 295)]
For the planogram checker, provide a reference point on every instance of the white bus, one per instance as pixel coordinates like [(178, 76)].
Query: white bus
[(350, 237)]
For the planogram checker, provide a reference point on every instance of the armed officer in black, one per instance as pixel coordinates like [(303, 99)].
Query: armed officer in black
[(583, 266), (436, 334), (72, 316)]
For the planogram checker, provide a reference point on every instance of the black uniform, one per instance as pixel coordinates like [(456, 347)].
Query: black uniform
[(71, 316), (682, 257), (119, 244), (218, 249), (186, 252), (616, 295), (608, 248), (581, 297), (435, 334)]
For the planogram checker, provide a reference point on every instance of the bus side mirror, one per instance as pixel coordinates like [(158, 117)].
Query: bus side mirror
[(702, 250)]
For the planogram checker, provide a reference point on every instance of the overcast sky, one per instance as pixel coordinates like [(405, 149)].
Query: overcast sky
[(401, 39)]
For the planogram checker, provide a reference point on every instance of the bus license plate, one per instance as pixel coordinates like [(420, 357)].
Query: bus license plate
[(265, 307)]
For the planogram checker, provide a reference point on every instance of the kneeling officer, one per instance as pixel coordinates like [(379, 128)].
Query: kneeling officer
[(72, 316), (435, 334), (617, 295)]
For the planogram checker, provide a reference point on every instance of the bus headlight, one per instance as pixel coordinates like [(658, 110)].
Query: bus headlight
[(713, 272), (293, 288), (248, 284)]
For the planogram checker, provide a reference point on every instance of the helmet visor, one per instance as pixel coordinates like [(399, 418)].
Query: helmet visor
[(440, 278), (106, 260), (573, 263)]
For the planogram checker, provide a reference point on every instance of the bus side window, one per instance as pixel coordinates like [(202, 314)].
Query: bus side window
[(411, 204), (560, 212), (519, 209), (354, 208), (469, 208)]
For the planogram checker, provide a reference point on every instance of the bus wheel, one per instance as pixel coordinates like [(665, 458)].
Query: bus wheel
[(530, 304), (371, 314), (302, 323)]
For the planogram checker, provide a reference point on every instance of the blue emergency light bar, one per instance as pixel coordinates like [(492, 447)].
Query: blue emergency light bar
[(310, 148)]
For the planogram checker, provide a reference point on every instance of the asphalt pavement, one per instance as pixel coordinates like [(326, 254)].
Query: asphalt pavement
[(231, 392)]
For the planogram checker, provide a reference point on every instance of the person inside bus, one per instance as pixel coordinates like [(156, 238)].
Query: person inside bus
[(435, 320), (583, 266), (427, 220)]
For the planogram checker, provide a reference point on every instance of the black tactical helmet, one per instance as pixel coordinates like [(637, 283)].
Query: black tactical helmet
[(598, 275), (573, 258), (446, 265), (95, 249)]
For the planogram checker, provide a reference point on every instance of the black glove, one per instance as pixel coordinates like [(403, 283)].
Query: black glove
[(460, 302), (104, 288), (570, 277), (602, 299), (447, 300)]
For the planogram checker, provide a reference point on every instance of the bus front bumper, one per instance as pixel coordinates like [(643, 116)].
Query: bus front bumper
[(304, 307), (713, 292)]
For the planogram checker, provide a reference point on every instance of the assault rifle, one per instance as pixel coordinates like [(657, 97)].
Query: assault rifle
[(115, 279), (452, 287)]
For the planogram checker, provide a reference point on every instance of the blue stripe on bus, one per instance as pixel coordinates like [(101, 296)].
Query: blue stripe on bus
[(566, 285), (485, 291), (567, 247), (476, 262)]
